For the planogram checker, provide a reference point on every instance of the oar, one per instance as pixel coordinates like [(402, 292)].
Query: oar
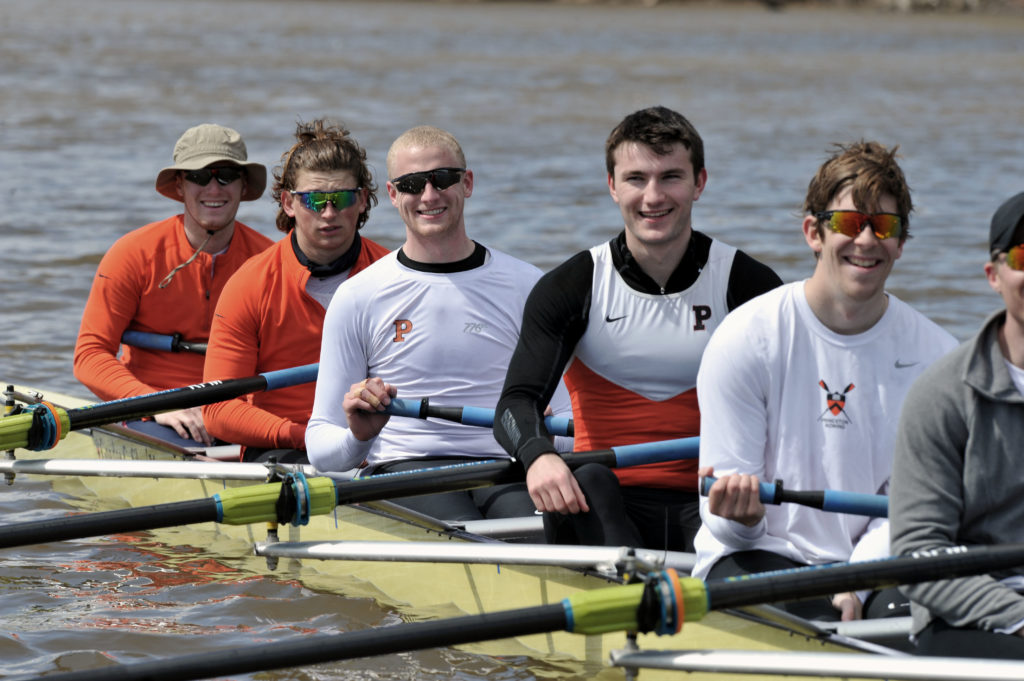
[(159, 341), (470, 416), (44, 425), (299, 497), (836, 501), (131, 468), (661, 604), (739, 663)]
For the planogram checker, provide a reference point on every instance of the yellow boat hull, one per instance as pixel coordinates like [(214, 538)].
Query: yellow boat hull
[(418, 591)]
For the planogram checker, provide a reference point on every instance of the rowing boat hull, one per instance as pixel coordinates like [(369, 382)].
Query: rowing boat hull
[(423, 591)]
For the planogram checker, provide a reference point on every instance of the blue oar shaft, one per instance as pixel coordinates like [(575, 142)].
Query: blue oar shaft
[(657, 452), (853, 503), (470, 416)]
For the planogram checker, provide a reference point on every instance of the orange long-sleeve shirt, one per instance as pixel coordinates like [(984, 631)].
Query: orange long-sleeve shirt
[(266, 321), (125, 295)]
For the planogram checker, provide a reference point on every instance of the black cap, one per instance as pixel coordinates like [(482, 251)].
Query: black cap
[(1005, 223)]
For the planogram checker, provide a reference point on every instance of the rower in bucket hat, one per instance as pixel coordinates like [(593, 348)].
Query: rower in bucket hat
[(164, 280)]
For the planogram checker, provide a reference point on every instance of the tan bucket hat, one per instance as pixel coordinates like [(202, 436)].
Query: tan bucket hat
[(205, 145)]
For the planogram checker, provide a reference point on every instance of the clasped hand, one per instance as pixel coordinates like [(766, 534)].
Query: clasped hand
[(364, 405)]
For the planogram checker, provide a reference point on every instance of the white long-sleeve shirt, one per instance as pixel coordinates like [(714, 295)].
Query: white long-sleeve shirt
[(443, 335), (785, 398)]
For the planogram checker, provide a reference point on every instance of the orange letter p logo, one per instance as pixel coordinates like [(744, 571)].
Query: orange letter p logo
[(402, 327)]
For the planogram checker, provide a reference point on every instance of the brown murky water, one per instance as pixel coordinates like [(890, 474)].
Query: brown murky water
[(93, 95)]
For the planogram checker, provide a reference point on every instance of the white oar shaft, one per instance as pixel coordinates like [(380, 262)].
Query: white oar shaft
[(199, 470), (607, 559), (823, 664)]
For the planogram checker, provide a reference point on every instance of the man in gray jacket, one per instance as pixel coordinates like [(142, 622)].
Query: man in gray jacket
[(957, 477)]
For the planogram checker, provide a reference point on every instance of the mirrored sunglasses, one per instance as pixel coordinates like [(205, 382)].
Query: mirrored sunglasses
[(202, 177), (851, 222), (440, 178), (1015, 257), (317, 201)]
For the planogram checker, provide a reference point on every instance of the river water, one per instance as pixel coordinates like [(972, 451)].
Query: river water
[(94, 94)]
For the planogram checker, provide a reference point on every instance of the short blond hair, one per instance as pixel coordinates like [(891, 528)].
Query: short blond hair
[(424, 136)]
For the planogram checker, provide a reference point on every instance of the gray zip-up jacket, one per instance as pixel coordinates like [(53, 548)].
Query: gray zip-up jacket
[(958, 479)]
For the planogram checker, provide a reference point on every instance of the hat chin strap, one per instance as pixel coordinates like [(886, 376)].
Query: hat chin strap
[(170, 275)]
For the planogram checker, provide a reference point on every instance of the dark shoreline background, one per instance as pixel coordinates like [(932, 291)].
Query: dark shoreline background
[(1015, 7)]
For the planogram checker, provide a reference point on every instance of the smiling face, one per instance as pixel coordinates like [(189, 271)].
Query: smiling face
[(850, 275), (324, 237), (434, 218), (655, 193), (213, 207)]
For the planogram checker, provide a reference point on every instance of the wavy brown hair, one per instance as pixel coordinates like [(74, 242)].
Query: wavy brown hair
[(322, 146), (871, 170)]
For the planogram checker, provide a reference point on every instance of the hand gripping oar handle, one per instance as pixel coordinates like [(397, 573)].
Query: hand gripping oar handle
[(661, 603), (854, 503), (470, 416), (159, 341), (299, 497), (43, 426)]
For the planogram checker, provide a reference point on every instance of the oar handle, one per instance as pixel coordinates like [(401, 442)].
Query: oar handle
[(469, 416), (835, 501), (159, 341)]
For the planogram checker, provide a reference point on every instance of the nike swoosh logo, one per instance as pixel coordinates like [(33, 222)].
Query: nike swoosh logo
[(901, 365), (609, 318)]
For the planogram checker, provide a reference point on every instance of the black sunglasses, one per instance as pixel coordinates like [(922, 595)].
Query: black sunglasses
[(225, 176), (440, 178)]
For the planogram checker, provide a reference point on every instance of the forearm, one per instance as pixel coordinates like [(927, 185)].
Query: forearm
[(330, 442), (242, 423), (734, 431), (107, 314), (105, 375), (332, 447), (554, 320)]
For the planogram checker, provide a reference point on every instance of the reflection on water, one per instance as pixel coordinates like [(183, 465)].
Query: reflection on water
[(96, 93), (129, 598)]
